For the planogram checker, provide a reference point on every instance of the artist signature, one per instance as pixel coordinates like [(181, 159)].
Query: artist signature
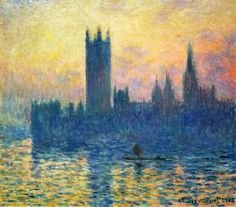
[(217, 200)]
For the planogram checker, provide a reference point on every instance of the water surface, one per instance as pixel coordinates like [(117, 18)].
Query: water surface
[(97, 175)]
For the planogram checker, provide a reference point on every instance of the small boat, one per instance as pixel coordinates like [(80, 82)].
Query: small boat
[(137, 150), (139, 158)]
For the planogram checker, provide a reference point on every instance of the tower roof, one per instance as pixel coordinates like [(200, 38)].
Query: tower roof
[(190, 50), (87, 34), (108, 34), (99, 33), (190, 65)]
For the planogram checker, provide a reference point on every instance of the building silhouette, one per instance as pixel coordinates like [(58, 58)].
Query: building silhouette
[(98, 73), (157, 97), (121, 99), (207, 96), (68, 127), (168, 94), (190, 82)]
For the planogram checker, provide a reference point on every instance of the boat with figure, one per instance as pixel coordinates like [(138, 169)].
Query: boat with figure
[(156, 158), (138, 155)]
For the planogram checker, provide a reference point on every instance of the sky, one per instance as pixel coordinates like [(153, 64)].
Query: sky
[(43, 44)]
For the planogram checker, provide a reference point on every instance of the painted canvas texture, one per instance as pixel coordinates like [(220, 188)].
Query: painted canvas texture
[(117, 103)]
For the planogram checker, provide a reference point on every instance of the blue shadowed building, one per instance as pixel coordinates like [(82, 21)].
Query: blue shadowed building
[(98, 73)]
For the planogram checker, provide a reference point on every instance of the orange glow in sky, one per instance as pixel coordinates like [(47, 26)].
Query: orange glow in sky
[(43, 44)]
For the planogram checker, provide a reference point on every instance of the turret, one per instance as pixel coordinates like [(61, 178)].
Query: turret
[(114, 97), (169, 94), (190, 66), (87, 36), (99, 34), (213, 95), (127, 94), (157, 97), (121, 99), (108, 35)]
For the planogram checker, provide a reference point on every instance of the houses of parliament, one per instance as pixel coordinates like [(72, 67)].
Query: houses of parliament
[(98, 80), (199, 110)]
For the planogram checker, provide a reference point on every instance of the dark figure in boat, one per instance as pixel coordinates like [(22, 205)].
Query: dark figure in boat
[(137, 151)]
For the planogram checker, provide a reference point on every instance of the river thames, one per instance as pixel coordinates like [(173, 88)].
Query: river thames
[(91, 177)]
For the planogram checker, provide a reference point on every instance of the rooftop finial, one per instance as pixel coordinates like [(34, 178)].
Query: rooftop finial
[(108, 33), (99, 33), (156, 80), (189, 48), (190, 63), (87, 34)]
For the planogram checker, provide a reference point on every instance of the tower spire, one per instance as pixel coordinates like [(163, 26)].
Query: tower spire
[(190, 66), (108, 34), (190, 84), (167, 77), (99, 33), (87, 34), (156, 83)]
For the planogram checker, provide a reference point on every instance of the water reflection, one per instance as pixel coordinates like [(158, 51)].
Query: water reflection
[(55, 179), (98, 176)]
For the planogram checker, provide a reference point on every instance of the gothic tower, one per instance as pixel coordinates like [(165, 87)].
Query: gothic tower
[(190, 82), (98, 73)]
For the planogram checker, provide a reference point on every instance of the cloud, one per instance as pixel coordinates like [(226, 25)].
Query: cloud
[(135, 51), (231, 39), (160, 18), (180, 4), (207, 35), (217, 67)]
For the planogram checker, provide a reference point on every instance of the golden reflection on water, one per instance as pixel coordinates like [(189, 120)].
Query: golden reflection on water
[(149, 187), (64, 181)]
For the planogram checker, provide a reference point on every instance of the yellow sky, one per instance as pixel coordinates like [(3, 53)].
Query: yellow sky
[(44, 50)]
